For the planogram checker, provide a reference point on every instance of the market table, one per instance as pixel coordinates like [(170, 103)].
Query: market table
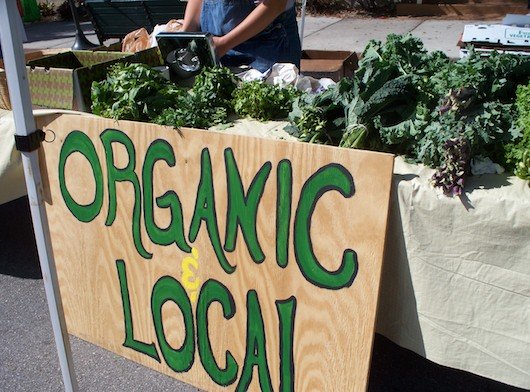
[(456, 275)]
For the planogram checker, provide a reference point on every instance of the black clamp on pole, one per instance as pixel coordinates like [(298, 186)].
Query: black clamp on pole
[(30, 142)]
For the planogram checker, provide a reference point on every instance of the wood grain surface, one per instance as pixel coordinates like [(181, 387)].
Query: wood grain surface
[(333, 328)]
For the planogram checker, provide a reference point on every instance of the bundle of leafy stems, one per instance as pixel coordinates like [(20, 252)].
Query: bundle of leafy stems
[(138, 92)]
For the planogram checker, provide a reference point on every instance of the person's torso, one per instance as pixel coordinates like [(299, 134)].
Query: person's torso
[(219, 17)]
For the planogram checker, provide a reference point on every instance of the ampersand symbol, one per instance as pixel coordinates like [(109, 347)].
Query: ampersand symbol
[(190, 266)]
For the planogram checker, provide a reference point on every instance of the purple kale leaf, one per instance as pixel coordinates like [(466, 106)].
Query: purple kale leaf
[(451, 174)]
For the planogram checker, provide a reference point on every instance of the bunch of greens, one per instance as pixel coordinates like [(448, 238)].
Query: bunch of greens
[(385, 102), (405, 100), (191, 111), (485, 127), (133, 92), (450, 176), (206, 104), (323, 118), (518, 152), (263, 101), (214, 87)]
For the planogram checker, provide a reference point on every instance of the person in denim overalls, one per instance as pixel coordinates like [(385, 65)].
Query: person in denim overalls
[(245, 32)]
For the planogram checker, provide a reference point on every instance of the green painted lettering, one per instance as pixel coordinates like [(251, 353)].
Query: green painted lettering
[(242, 209), (256, 351), (160, 150), (130, 341), (77, 141), (328, 178), (286, 313), (214, 291), (170, 289), (284, 196), (205, 211), (109, 137)]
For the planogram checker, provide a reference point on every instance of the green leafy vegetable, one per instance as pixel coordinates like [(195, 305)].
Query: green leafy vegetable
[(518, 153), (405, 100), (133, 92), (263, 101), (191, 111), (214, 87), (450, 176), (208, 102)]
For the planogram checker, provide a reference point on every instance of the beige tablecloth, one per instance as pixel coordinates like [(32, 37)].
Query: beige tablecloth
[(12, 185), (456, 275)]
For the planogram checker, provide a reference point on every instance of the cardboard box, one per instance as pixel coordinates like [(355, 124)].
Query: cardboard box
[(328, 64), (501, 38), (496, 35), (63, 80), (5, 102)]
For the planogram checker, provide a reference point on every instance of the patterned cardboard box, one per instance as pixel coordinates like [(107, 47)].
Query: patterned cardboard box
[(63, 80)]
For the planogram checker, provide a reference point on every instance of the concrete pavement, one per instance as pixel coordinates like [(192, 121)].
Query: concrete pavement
[(329, 33), (50, 35), (355, 33)]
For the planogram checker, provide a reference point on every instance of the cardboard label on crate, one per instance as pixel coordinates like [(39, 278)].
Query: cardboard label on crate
[(520, 35), (228, 262)]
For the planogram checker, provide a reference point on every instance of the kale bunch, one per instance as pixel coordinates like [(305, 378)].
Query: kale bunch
[(486, 128), (493, 78)]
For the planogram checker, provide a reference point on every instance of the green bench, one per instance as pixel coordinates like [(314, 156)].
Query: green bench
[(117, 18)]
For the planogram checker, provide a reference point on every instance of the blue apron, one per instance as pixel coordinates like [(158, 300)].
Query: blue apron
[(278, 43)]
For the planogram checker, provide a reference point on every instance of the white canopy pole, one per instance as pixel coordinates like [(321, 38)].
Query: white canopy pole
[(15, 66), (302, 22)]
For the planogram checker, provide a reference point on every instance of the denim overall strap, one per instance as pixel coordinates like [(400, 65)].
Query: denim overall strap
[(278, 42), (219, 17)]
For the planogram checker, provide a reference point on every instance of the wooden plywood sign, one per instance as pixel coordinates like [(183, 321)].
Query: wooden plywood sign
[(228, 262)]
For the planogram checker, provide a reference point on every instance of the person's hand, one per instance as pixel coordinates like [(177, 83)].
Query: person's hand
[(220, 46)]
